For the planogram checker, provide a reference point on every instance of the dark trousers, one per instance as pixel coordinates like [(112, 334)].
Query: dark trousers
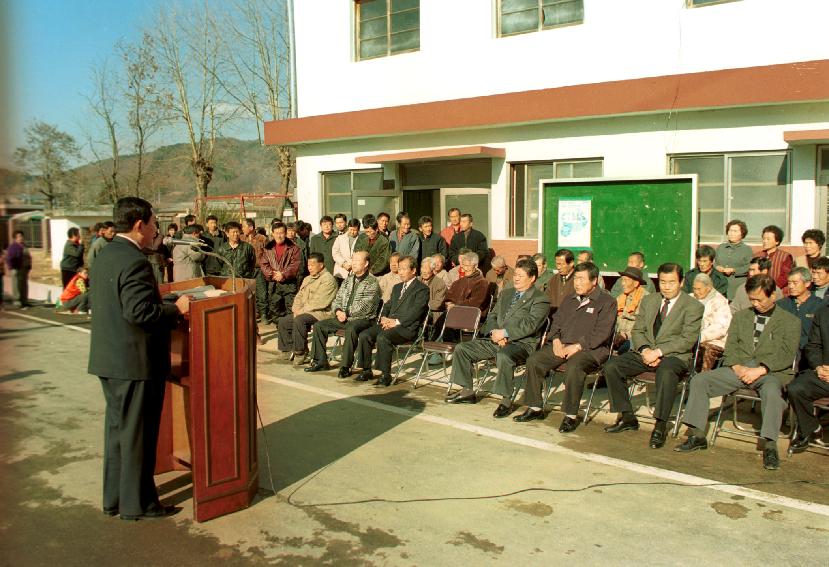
[(20, 286), (620, 368), (542, 361), (66, 276), (326, 328), (385, 341), (262, 288), (281, 299), (293, 332), (803, 390), (79, 302), (133, 414)]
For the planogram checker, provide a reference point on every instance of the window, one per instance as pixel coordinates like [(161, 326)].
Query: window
[(355, 193), (752, 187), (386, 27), (524, 178), (522, 16)]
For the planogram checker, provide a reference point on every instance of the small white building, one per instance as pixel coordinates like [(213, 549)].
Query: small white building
[(422, 105)]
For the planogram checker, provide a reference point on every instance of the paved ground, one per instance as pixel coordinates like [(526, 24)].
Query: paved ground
[(392, 477)]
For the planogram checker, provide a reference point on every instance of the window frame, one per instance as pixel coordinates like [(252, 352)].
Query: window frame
[(556, 163), (355, 194), (540, 26), (388, 35), (727, 184), (690, 3)]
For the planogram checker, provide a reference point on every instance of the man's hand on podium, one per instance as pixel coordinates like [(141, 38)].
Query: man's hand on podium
[(183, 304)]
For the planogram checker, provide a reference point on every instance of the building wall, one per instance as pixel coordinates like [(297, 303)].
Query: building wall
[(461, 56)]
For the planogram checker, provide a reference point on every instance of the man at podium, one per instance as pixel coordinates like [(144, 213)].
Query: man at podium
[(130, 353)]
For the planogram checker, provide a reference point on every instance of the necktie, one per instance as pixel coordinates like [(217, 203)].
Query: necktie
[(403, 289), (657, 324), (515, 299)]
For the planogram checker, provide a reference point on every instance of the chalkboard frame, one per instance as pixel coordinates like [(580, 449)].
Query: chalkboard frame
[(693, 236)]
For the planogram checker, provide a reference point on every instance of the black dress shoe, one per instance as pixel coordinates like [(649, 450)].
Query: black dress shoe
[(383, 381), (622, 425), (152, 513), (502, 411), (111, 511), (316, 367), (344, 372), (568, 425), (771, 460), (529, 415), (658, 438), (363, 376), (464, 399), (692, 443), (801, 442)]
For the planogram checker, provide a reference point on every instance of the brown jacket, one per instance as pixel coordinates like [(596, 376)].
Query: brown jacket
[(258, 242), (288, 264), (471, 290), (558, 290), (315, 296), (437, 293)]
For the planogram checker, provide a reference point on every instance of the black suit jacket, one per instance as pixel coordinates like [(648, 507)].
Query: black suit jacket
[(411, 308), (817, 349), (131, 326)]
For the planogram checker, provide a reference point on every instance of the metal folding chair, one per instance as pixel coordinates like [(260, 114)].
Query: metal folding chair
[(819, 404), (595, 376), (748, 394), (410, 346), (647, 379), (460, 318)]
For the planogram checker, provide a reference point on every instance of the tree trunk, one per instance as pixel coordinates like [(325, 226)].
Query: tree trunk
[(203, 171)]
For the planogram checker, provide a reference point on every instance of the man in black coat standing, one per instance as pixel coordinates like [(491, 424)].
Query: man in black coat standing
[(470, 238), (130, 353), (400, 322)]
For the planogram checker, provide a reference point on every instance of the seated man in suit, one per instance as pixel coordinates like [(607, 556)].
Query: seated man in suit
[(662, 341), (354, 307), (761, 346), (812, 383), (510, 334), (801, 303), (400, 322), (580, 336), (311, 304)]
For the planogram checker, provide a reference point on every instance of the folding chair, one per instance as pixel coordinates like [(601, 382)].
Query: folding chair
[(819, 404), (646, 379), (595, 376), (410, 346), (751, 395), (489, 363), (460, 318)]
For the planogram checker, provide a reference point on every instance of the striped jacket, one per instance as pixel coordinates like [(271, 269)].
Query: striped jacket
[(366, 297)]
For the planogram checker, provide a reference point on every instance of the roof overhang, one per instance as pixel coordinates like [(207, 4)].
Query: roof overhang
[(802, 137), (442, 154), (728, 88)]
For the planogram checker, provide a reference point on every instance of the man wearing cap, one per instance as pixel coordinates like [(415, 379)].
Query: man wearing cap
[(627, 305)]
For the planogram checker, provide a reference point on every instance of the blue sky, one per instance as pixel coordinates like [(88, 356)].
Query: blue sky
[(51, 46)]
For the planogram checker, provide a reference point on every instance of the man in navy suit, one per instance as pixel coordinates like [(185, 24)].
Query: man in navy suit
[(130, 353), (400, 322)]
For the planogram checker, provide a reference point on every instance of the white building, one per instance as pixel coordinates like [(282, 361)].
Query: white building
[(421, 105)]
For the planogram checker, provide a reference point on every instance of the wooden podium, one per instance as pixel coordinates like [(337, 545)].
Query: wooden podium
[(208, 423)]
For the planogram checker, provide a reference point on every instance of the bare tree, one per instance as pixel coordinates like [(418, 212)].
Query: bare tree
[(187, 55), (102, 102), (145, 113), (256, 72), (47, 156)]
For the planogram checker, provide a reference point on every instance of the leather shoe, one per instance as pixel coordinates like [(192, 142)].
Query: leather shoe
[(152, 513), (771, 460), (363, 376), (658, 437), (568, 425), (529, 415), (801, 442), (692, 443), (463, 399), (622, 425), (111, 511), (502, 411), (316, 367), (383, 381), (344, 372)]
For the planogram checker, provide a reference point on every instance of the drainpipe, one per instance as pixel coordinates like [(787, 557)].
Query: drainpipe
[(292, 56)]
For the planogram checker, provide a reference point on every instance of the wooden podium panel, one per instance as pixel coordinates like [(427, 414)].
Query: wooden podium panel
[(209, 415)]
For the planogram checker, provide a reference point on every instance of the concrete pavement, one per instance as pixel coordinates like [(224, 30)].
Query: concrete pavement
[(388, 477)]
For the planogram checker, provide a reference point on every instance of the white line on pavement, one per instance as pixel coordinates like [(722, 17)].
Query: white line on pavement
[(690, 480), (55, 323)]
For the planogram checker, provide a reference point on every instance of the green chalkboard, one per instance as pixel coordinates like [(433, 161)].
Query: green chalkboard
[(655, 216)]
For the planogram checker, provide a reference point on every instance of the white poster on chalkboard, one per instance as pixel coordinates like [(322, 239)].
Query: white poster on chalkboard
[(574, 223)]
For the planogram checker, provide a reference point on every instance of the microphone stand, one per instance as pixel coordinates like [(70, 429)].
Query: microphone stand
[(223, 259)]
